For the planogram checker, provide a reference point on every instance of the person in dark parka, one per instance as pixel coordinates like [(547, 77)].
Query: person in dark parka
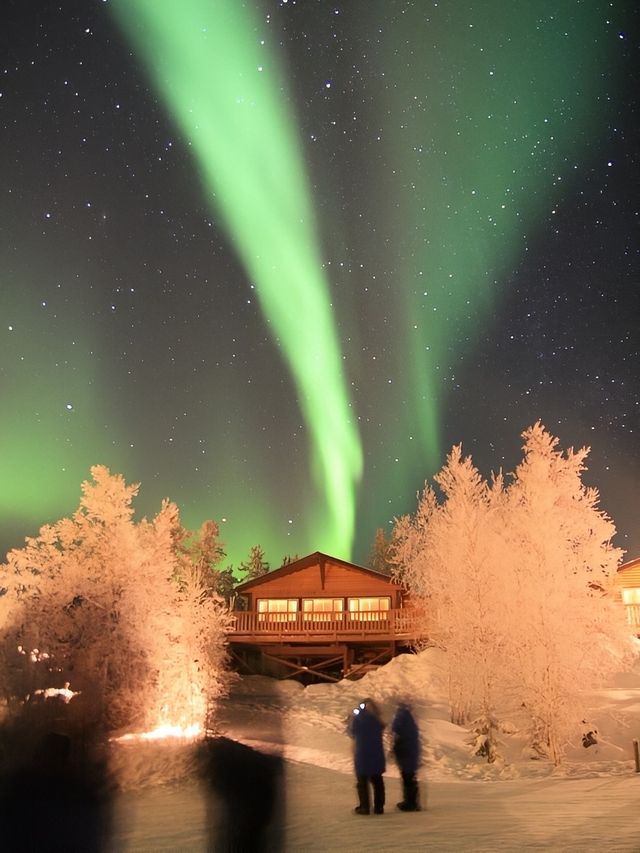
[(366, 729), (407, 750)]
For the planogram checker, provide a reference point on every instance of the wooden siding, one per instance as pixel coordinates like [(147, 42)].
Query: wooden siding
[(323, 580), (629, 575), (338, 582), (318, 644)]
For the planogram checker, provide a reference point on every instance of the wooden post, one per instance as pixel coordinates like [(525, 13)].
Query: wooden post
[(636, 754)]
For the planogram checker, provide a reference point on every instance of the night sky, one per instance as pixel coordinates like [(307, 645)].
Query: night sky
[(272, 260)]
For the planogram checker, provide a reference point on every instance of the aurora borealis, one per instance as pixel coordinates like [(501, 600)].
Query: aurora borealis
[(273, 259), (214, 78)]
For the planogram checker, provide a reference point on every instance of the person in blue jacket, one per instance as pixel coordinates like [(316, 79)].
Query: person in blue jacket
[(366, 729), (407, 751)]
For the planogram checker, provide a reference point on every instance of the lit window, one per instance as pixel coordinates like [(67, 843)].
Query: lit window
[(277, 609), (631, 596), (369, 609), (322, 609)]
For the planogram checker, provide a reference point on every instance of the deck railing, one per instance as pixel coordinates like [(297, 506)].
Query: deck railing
[(395, 624)]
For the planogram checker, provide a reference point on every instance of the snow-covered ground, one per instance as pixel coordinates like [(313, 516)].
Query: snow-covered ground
[(514, 804)]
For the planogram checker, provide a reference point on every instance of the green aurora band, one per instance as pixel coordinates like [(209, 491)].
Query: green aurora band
[(225, 90), (484, 113), (492, 110), (54, 411)]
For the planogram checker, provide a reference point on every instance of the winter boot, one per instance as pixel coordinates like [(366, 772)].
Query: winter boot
[(363, 796), (409, 793), (408, 807), (378, 794)]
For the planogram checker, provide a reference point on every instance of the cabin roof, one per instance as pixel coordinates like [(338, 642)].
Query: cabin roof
[(631, 564), (304, 562)]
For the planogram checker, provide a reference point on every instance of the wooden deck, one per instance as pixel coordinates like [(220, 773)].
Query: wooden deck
[(372, 626)]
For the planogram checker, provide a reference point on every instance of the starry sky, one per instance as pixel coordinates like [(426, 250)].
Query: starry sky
[(273, 259)]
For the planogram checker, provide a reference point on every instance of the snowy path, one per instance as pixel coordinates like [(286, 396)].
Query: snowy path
[(550, 814), (470, 816), (558, 815)]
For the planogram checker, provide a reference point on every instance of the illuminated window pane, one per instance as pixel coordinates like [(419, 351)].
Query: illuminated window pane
[(631, 596), (277, 609), (322, 605), (369, 604), (369, 609), (322, 609)]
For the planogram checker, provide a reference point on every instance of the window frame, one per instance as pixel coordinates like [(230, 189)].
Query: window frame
[(631, 595), (336, 613), (287, 614), (368, 614)]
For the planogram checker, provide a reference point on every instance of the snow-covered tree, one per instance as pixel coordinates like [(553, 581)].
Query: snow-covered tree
[(112, 606), (566, 632), (203, 549), (195, 656), (256, 565), (444, 557), (514, 581), (380, 555)]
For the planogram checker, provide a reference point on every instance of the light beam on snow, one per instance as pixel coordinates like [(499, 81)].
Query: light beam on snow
[(222, 83), (163, 732)]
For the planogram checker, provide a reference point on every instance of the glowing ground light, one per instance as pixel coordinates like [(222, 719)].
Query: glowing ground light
[(164, 732), (225, 89)]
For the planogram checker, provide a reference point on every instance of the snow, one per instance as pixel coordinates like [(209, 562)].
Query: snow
[(590, 803)]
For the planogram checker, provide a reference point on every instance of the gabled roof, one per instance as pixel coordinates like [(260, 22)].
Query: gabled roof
[(631, 564), (303, 563)]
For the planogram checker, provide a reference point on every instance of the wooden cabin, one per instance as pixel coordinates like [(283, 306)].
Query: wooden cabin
[(320, 617), (628, 584)]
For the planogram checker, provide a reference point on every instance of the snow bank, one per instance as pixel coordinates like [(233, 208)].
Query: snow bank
[(315, 720)]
